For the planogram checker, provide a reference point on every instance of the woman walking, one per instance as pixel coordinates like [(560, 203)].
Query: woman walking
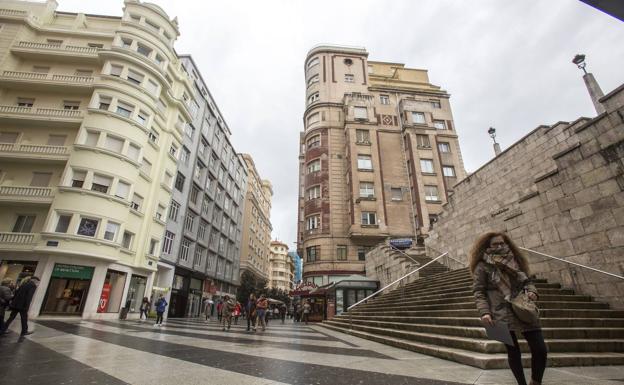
[(500, 273), (261, 307), (145, 306), (250, 309)]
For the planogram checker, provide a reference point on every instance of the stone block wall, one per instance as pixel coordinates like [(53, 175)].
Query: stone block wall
[(387, 265), (560, 191)]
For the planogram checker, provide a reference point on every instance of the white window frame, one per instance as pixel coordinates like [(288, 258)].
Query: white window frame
[(418, 117), (427, 166), (364, 162), (367, 217)]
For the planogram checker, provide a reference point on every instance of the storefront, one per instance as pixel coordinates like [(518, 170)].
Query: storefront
[(349, 291), (136, 292), (67, 290), (112, 292), (16, 271), (179, 295), (194, 303)]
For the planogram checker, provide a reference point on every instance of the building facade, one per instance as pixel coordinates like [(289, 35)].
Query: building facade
[(256, 236), (379, 156), (282, 268), (204, 222), (298, 264), (92, 117)]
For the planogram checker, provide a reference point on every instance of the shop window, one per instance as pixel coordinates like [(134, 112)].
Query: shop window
[(62, 225), (112, 291), (68, 289), (24, 223), (88, 227), (16, 271), (136, 291)]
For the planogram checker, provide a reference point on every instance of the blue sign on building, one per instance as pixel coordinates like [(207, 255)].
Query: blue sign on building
[(298, 262), (401, 243)]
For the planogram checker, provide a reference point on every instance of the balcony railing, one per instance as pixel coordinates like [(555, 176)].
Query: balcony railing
[(43, 112), (26, 191), (61, 78), (57, 47), (17, 238), (12, 12), (33, 149)]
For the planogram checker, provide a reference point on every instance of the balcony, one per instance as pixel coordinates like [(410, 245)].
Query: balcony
[(47, 115), (26, 194), (18, 241), (34, 151), (38, 81), (60, 52)]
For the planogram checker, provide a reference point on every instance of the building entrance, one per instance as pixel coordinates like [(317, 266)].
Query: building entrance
[(68, 289)]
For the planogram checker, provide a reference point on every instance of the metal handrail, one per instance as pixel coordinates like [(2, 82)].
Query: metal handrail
[(402, 252), (572, 263), (398, 280)]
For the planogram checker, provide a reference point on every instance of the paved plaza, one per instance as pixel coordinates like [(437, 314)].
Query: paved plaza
[(191, 351)]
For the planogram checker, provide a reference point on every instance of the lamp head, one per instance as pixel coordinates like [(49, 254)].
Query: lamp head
[(492, 132), (579, 60)]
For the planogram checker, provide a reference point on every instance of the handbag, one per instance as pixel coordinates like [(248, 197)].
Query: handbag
[(525, 309)]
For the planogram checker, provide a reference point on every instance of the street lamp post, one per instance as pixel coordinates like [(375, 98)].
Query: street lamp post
[(492, 132), (595, 93)]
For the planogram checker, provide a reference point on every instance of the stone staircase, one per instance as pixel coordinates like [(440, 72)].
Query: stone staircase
[(436, 315)]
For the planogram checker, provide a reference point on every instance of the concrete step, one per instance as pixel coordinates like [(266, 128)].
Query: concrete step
[(477, 331), (486, 361), (482, 345), (543, 305), (553, 313)]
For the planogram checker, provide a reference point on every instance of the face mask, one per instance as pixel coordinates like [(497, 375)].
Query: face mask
[(499, 250)]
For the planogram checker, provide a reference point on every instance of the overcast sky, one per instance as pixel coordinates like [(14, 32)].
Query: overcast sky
[(505, 63)]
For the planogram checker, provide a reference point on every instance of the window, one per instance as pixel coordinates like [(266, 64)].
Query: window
[(314, 141), (111, 231), (113, 143), (124, 109), (341, 252), (153, 136), (55, 42), (313, 222), (24, 223), (153, 247), (160, 212), (8, 137), (159, 60), (396, 193), (135, 18), (174, 209), (81, 72), (40, 179), (367, 190), (369, 218), (115, 70), (185, 155), (123, 190), (384, 99), (95, 45), (313, 98), (439, 124), (146, 167), (143, 50), (314, 166), (364, 162), (362, 250), (152, 25), (63, 223), (423, 141), (105, 103), (126, 43), (142, 117), (71, 105), (199, 255), (168, 242), (152, 87), (362, 136), (444, 147), (313, 192), (418, 117), (314, 118), (431, 194), (436, 104), (194, 194), (126, 240), (57, 140), (312, 253), (173, 150), (448, 171), (313, 62), (189, 222), (179, 182), (137, 202), (101, 183), (25, 102), (88, 227), (360, 113), (92, 138), (134, 152), (41, 69), (189, 130), (426, 166), (78, 178), (202, 229), (349, 78), (313, 79)]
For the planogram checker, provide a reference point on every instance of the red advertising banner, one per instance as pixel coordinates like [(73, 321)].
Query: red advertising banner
[(106, 289)]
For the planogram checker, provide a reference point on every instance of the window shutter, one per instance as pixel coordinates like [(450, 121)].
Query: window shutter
[(102, 180)]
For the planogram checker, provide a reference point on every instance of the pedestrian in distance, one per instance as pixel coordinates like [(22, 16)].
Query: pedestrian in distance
[(282, 312), (237, 312), (145, 306), (250, 309), (21, 303), (226, 312), (6, 294), (161, 306), (306, 310), (219, 308), (261, 311), (500, 274), (207, 308)]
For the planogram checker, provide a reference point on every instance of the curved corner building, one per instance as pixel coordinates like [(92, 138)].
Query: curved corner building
[(379, 156), (92, 113)]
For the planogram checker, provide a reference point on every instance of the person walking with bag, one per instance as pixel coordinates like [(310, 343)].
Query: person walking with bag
[(6, 293), (261, 311), (504, 293), (21, 303), (250, 309), (161, 306), (145, 306)]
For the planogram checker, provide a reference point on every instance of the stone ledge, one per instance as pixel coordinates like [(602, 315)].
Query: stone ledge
[(532, 194), (546, 175)]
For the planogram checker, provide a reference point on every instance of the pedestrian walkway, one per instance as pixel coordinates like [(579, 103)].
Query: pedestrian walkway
[(191, 351)]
